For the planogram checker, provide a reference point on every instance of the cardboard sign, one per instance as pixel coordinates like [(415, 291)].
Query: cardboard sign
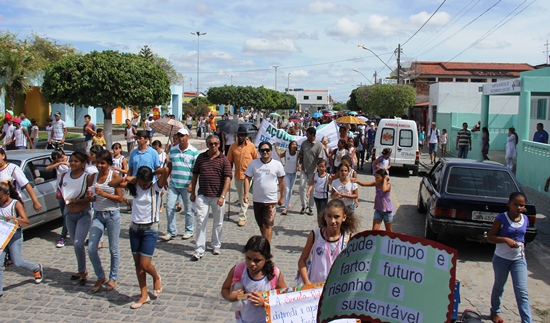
[(269, 132), (7, 230), (390, 277), (296, 304)]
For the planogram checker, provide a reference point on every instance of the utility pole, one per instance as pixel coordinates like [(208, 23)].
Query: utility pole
[(547, 54), (375, 78), (398, 63), (288, 82), (276, 67)]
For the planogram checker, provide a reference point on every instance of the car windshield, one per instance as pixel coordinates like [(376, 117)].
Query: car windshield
[(481, 182), (16, 162)]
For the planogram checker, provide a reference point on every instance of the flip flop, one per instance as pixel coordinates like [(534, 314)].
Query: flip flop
[(98, 284), (108, 287)]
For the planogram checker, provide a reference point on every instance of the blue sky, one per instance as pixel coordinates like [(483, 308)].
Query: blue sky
[(315, 41)]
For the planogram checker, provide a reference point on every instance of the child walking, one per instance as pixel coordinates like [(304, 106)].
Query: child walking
[(508, 233), (256, 274), (383, 208), (343, 188), (60, 162), (383, 161), (444, 139), (12, 210), (320, 186), (336, 224), (144, 229)]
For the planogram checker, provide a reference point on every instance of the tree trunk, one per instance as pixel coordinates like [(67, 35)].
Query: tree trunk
[(108, 125)]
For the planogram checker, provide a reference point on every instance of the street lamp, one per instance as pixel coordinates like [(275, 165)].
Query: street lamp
[(275, 67), (365, 48), (198, 34), (288, 82), (231, 76), (363, 75)]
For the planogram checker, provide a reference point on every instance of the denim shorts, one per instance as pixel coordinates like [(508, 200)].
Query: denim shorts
[(433, 147), (143, 238), (387, 217)]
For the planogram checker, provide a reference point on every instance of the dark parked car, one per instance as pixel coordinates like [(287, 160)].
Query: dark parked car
[(462, 197), (33, 163)]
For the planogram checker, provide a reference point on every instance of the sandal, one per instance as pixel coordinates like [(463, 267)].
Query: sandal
[(98, 284), (284, 212), (157, 292), (495, 318), (110, 285), (83, 278)]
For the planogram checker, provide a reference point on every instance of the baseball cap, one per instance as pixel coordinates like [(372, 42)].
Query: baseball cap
[(57, 113), (372, 123), (183, 131), (433, 123), (17, 120)]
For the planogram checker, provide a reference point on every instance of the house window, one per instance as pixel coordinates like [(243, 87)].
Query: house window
[(461, 80), (431, 79), (541, 109), (494, 80), (306, 97), (319, 98)]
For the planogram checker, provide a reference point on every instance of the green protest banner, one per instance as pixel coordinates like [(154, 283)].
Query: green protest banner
[(390, 277)]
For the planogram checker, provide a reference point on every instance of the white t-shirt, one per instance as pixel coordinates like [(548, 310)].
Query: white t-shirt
[(266, 179), (49, 131), (146, 205), (148, 124), (14, 173), (291, 162), (8, 130), (347, 188), (433, 134)]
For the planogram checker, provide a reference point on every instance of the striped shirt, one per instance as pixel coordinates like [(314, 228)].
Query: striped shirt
[(58, 129), (464, 137), (182, 165), (212, 173)]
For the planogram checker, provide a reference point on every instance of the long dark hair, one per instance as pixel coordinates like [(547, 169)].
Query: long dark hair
[(260, 245), (513, 131), (144, 173), (8, 188), (351, 224)]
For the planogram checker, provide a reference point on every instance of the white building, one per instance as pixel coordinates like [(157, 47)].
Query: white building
[(312, 100)]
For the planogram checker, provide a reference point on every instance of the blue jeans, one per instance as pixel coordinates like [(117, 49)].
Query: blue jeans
[(64, 227), (21, 147), (172, 195), (518, 271), (79, 225), (290, 179), (112, 221), (143, 239), (15, 246), (463, 151)]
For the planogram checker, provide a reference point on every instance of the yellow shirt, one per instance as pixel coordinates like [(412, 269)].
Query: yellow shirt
[(99, 141)]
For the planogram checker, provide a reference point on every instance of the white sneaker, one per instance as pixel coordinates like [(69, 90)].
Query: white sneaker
[(188, 236), (167, 237)]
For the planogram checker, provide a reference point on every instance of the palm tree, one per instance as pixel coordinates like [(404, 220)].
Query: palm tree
[(16, 73)]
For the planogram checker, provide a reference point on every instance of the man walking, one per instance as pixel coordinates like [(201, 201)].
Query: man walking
[(181, 161), (240, 154), (267, 173), (212, 170), (371, 136), (311, 151), (143, 155), (433, 141), (463, 141), (89, 131), (59, 131)]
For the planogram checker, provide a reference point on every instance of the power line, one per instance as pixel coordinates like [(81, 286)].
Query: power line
[(461, 29), (495, 27), (424, 24), (446, 26)]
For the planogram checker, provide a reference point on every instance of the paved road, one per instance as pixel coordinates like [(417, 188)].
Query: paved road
[(192, 289)]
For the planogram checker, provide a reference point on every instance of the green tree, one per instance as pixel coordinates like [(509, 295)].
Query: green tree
[(340, 106), (288, 102), (385, 99), (106, 80), (166, 65), (273, 99), (351, 104)]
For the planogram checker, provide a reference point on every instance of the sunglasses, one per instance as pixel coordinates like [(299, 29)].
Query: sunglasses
[(212, 144), (265, 150)]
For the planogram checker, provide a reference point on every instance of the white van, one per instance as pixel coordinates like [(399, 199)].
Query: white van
[(401, 136)]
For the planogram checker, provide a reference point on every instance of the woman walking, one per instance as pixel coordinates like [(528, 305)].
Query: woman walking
[(106, 216), (78, 213), (511, 143)]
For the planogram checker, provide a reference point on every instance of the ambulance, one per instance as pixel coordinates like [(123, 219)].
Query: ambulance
[(401, 136)]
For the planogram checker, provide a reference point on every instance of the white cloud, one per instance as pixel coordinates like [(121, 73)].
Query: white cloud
[(256, 45), (378, 25), (492, 43), (344, 29), (326, 7), (439, 19), (299, 73), (288, 33)]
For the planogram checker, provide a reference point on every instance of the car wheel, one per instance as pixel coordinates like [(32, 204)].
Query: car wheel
[(428, 232), (420, 207)]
